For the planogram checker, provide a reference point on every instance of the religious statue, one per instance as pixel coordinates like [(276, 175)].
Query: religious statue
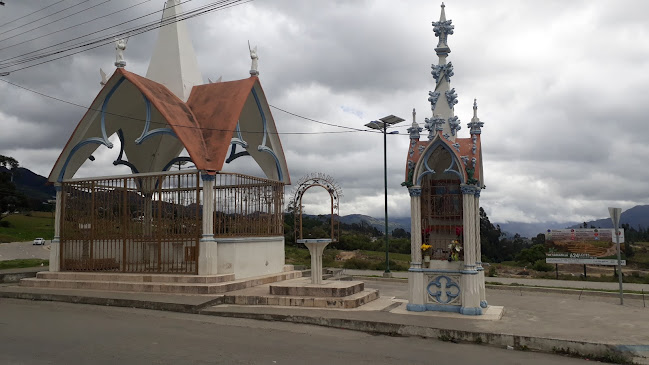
[(120, 46), (255, 63)]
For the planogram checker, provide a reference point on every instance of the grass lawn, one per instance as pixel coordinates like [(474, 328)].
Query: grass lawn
[(366, 260), (21, 263), (25, 228)]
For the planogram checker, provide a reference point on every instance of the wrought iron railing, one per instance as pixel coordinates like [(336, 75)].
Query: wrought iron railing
[(247, 206)]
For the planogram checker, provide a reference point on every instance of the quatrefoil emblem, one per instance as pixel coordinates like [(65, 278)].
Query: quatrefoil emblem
[(447, 289)]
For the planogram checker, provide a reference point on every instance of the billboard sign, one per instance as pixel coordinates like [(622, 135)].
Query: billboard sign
[(582, 246)]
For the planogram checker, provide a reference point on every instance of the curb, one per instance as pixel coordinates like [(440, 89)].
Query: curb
[(15, 277), (524, 343), (541, 344), (129, 303), (568, 291)]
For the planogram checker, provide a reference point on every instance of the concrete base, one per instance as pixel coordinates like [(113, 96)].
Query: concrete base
[(304, 287), (492, 313), (329, 294), (146, 283)]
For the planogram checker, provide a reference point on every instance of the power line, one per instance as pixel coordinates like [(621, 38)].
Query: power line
[(215, 6), (34, 21), (52, 22), (317, 121), (74, 26), (86, 35), (182, 126), (33, 12)]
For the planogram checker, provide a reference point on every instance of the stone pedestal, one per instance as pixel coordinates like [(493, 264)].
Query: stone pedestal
[(316, 247)]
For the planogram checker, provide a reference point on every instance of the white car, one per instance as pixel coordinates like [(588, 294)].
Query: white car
[(39, 241)]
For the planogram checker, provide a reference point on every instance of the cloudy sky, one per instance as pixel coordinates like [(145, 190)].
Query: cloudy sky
[(562, 88)]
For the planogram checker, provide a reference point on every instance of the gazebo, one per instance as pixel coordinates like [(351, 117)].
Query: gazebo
[(202, 221), (444, 178)]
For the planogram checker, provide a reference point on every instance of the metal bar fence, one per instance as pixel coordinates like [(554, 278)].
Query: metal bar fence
[(247, 206), (133, 224)]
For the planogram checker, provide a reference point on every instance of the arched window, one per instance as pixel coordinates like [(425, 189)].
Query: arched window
[(441, 204)]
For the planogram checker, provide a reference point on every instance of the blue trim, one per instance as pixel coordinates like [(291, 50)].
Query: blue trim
[(96, 140), (447, 285), (103, 111), (239, 138), (146, 134), (262, 147), (233, 152), (416, 307), (177, 159), (469, 272), (432, 307), (104, 140), (207, 177), (471, 311), (484, 304), (480, 268), (437, 143), (58, 188), (119, 160), (442, 271)]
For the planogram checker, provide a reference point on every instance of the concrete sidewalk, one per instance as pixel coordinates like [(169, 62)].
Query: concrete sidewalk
[(591, 326)]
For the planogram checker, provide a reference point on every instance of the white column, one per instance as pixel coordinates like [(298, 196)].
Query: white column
[(316, 248), (207, 250), (481, 279), (415, 226), (470, 291), (55, 245), (416, 290)]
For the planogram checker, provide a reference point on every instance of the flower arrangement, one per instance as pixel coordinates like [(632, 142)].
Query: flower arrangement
[(425, 248), (455, 247)]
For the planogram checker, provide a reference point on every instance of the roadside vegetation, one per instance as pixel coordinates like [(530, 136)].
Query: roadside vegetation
[(25, 227), (22, 263)]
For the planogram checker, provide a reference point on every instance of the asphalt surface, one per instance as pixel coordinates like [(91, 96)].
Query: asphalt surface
[(24, 250), (61, 333)]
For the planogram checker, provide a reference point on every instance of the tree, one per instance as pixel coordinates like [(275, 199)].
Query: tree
[(400, 233), (10, 198), (11, 162)]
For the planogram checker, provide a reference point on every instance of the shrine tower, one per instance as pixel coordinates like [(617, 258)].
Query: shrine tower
[(444, 178)]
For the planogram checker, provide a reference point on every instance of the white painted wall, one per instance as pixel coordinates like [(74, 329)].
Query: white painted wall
[(250, 256)]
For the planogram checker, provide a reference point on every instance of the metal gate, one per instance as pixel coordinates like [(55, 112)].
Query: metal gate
[(138, 224), (441, 213)]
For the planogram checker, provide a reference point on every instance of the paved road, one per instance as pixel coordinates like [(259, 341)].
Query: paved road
[(60, 333), (24, 250)]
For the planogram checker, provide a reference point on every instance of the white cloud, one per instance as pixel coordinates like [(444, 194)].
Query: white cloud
[(561, 87)]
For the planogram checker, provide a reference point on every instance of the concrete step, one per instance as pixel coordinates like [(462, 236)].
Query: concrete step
[(158, 287), (135, 278), (304, 288), (351, 301)]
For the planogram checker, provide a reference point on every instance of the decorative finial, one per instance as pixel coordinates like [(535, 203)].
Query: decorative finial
[(414, 128), (475, 125), (434, 125), (120, 47), (255, 61), (442, 29)]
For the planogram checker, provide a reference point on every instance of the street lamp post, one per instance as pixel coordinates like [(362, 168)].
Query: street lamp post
[(382, 124)]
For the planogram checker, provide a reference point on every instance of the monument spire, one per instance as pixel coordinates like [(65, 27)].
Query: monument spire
[(443, 98), (173, 62)]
